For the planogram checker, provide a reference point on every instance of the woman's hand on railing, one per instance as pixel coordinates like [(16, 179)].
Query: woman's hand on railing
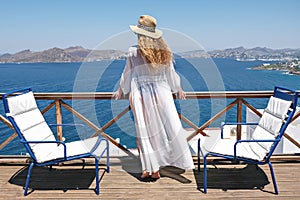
[(181, 93), (117, 94)]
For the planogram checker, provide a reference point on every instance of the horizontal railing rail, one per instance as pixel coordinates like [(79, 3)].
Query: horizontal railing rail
[(189, 95), (58, 101)]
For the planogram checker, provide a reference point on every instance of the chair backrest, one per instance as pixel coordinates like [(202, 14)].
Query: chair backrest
[(274, 121), (22, 111)]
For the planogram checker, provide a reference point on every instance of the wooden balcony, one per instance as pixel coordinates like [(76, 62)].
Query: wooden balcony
[(236, 99), (227, 180)]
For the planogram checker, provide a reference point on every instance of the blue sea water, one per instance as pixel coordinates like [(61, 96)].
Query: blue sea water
[(103, 76)]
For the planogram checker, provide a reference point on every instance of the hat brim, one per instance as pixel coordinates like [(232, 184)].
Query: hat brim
[(157, 34)]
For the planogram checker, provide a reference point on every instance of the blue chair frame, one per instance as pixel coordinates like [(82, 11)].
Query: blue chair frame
[(279, 92), (56, 161)]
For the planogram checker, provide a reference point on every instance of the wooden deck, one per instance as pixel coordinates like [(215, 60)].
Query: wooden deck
[(225, 180)]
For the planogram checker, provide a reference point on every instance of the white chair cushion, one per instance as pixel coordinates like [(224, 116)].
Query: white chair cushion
[(250, 150), (73, 148), (278, 106), (268, 129), (270, 123), (30, 121), (21, 103)]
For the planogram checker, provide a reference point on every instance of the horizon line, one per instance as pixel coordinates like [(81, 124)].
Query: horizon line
[(208, 49)]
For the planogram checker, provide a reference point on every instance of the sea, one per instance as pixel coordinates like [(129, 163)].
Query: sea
[(196, 74)]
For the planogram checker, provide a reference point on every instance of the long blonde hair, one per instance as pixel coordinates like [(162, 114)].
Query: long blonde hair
[(155, 51)]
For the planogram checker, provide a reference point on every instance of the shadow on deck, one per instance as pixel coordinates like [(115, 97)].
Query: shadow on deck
[(225, 180), (57, 178), (239, 177), (247, 177)]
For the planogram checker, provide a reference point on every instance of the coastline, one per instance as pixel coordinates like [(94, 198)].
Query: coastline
[(287, 67)]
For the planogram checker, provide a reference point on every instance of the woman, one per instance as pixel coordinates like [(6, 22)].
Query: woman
[(149, 78)]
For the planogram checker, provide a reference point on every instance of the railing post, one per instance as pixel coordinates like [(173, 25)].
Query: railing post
[(239, 118), (58, 119)]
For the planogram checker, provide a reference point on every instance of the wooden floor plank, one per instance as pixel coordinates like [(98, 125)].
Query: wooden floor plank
[(226, 181)]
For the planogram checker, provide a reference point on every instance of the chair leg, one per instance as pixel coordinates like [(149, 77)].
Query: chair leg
[(107, 159), (97, 189), (204, 174), (198, 155), (273, 177), (28, 178)]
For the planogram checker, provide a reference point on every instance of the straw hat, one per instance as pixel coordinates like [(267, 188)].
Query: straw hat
[(147, 26)]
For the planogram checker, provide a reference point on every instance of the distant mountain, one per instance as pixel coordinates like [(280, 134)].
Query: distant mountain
[(257, 53), (80, 54), (194, 54), (71, 54)]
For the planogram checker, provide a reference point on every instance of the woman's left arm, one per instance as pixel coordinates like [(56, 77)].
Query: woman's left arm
[(174, 81)]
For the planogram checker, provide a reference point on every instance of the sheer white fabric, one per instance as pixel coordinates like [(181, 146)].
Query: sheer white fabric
[(160, 135)]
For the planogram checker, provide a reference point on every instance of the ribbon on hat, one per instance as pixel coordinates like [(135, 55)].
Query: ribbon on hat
[(146, 28)]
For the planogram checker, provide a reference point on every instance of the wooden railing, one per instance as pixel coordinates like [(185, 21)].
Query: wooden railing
[(58, 100)]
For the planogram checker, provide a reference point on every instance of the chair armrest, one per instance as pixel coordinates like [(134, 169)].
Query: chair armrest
[(239, 123), (66, 125), (235, 123), (99, 140), (241, 141), (56, 141), (49, 142)]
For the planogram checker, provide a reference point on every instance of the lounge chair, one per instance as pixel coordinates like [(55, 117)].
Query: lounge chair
[(267, 134), (39, 141)]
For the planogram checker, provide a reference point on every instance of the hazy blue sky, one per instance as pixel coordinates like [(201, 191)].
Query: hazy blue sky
[(215, 24)]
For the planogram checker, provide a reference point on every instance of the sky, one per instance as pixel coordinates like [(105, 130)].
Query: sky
[(214, 24)]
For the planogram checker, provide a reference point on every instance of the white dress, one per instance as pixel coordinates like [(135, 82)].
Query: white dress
[(159, 131)]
